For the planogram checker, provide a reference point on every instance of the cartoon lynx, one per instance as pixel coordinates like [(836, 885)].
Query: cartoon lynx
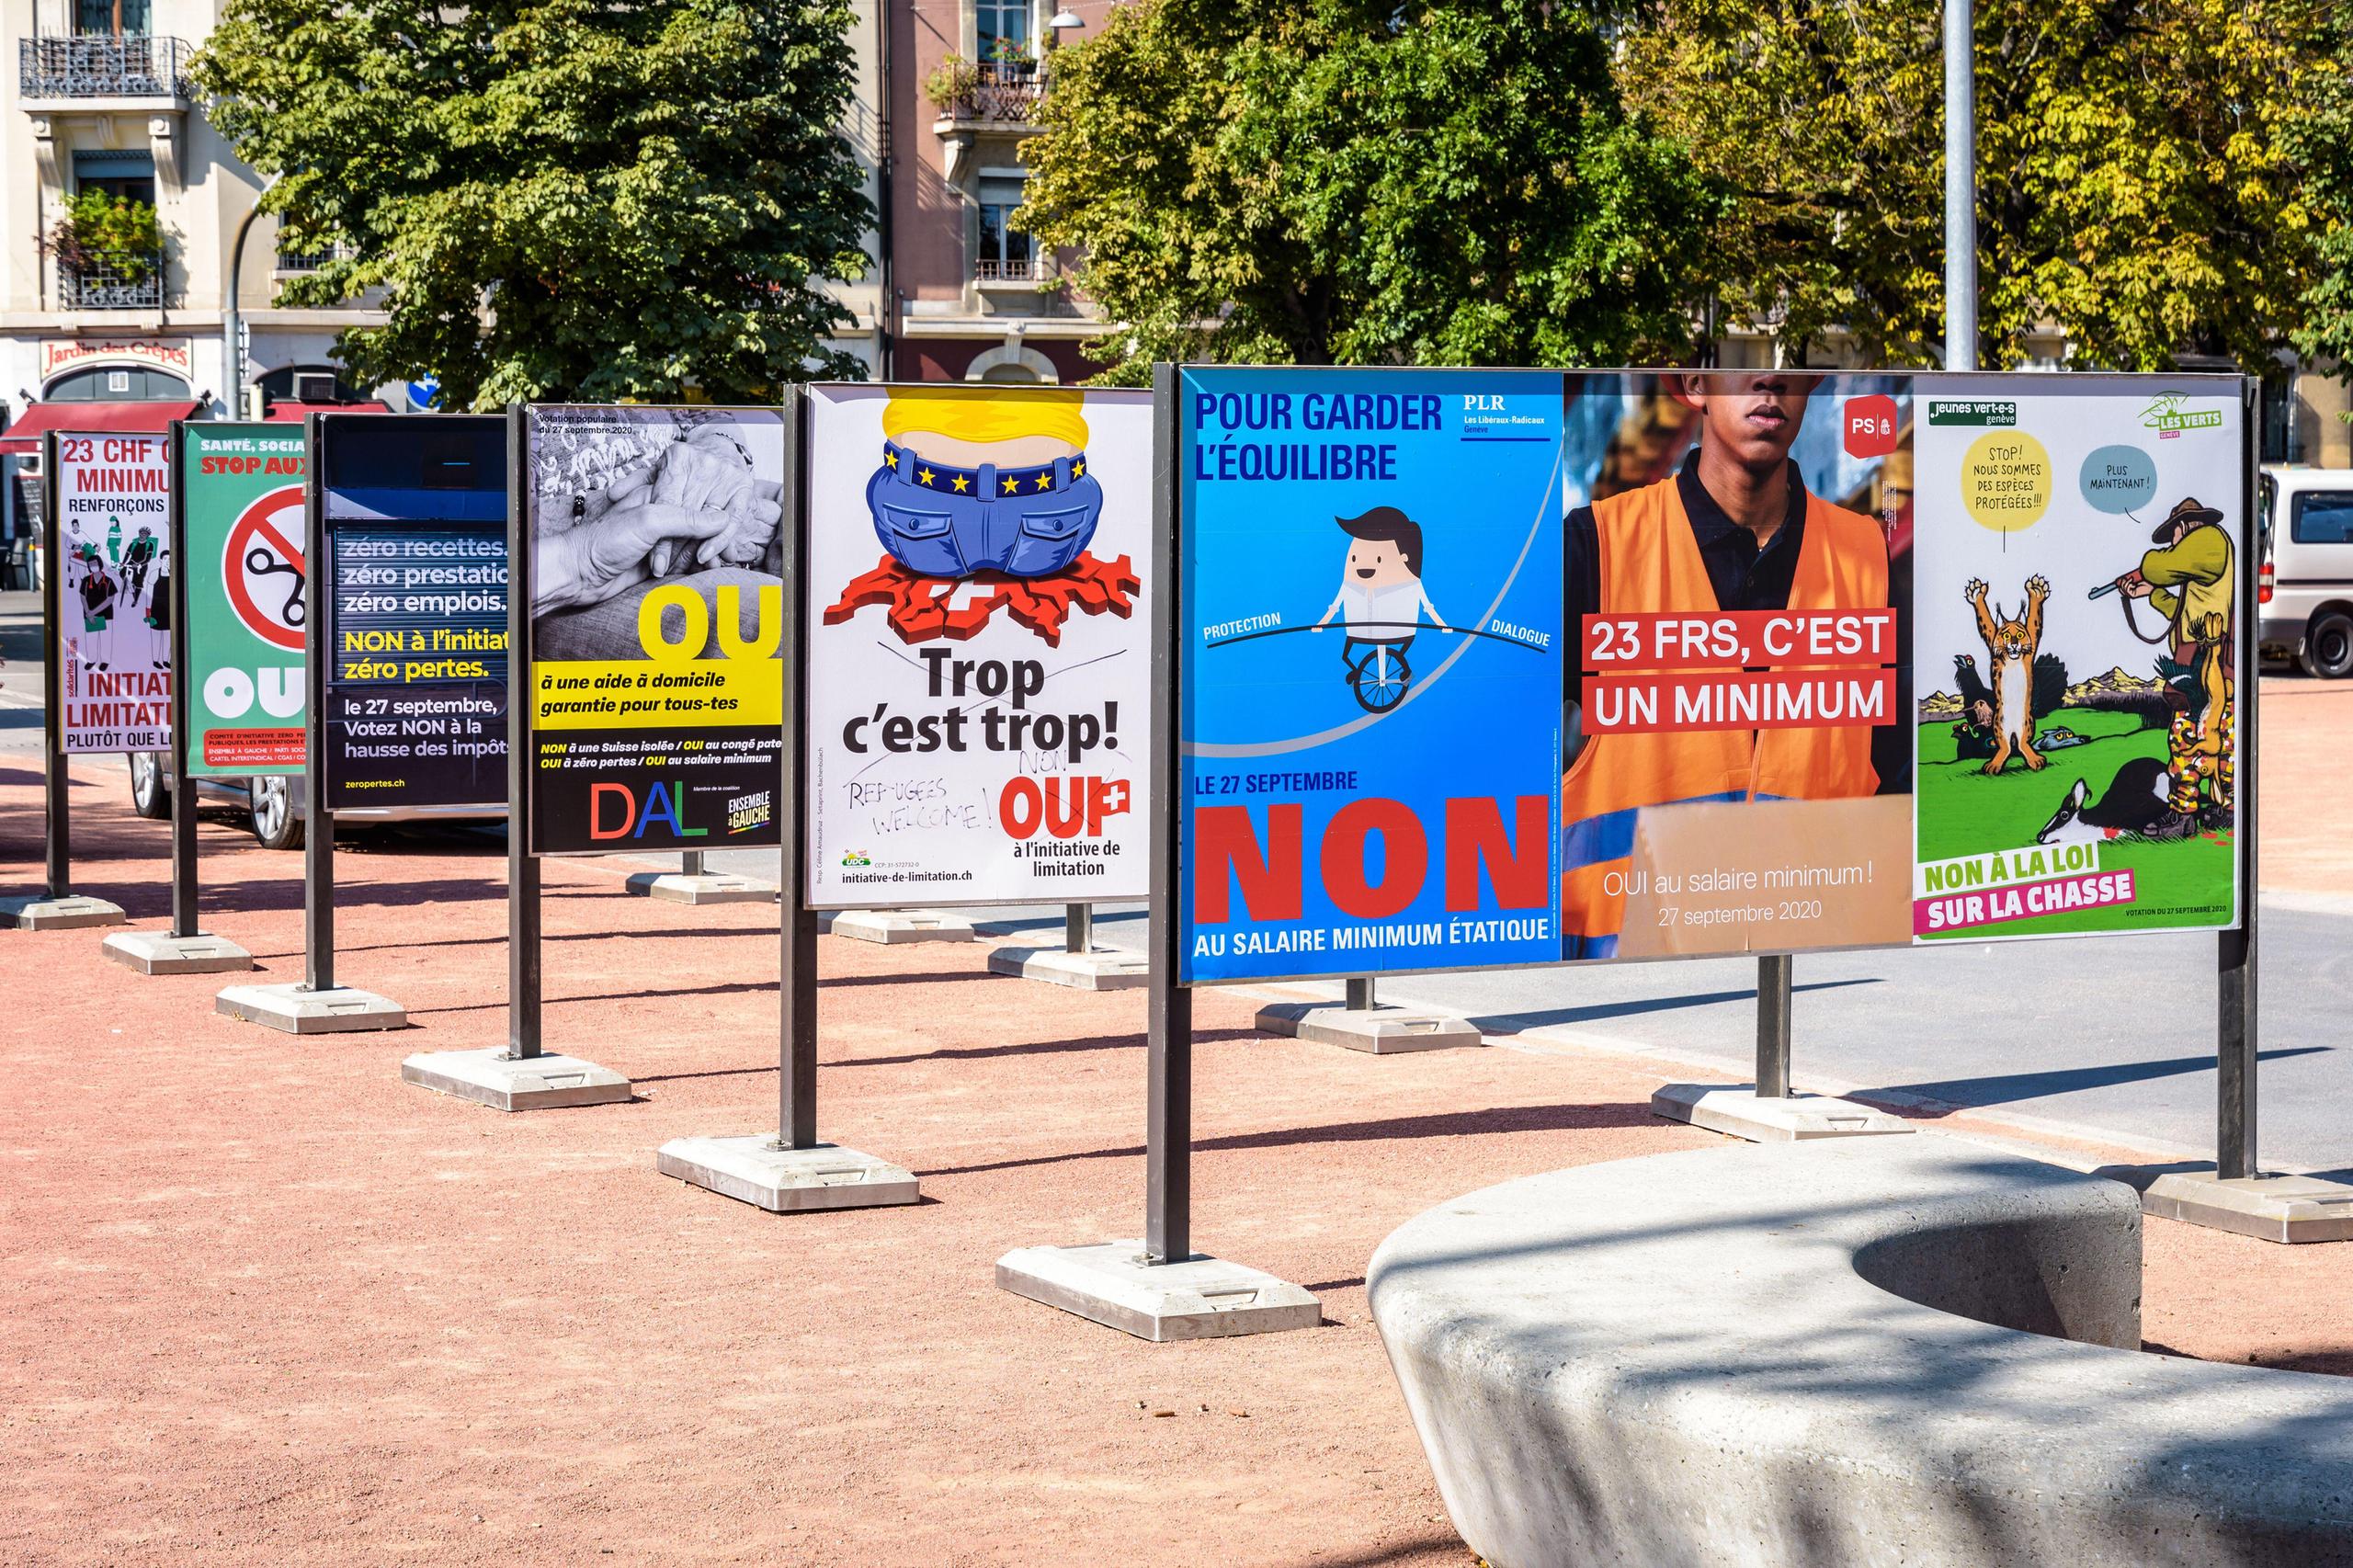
[(2012, 645)]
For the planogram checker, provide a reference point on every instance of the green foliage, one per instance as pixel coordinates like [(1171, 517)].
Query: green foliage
[(100, 230), (2318, 134), (954, 79), (593, 199), (2134, 191), (1342, 181)]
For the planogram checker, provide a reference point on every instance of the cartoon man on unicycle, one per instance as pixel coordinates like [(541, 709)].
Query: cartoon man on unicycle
[(1382, 603)]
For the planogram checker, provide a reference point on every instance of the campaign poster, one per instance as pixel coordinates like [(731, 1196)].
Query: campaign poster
[(413, 510), (114, 622), (1738, 774), (1370, 703), (979, 670), (2078, 646), (241, 504), (656, 665)]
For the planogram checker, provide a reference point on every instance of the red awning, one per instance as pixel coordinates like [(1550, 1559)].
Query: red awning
[(288, 411), (24, 434)]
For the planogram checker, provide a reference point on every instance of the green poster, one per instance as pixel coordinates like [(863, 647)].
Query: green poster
[(243, 485)]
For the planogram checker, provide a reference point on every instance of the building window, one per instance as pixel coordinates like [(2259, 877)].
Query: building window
[(117, 383), (130, 176), (277, 385), (110, 18), (1007, 251), (1002, 31)]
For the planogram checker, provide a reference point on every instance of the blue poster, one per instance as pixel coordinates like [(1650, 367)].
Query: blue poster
[(1370, 697)]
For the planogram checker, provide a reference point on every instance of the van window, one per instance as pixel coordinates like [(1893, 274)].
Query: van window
[(2323, 516)]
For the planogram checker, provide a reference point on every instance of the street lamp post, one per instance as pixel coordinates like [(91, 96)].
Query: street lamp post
[(1961, 189), (233, 351)]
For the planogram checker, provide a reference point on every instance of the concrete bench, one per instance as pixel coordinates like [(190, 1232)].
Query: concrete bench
[(1884, 1351)]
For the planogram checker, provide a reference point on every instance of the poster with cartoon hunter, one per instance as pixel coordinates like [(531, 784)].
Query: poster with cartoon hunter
[(2075, 655), (978, 620)]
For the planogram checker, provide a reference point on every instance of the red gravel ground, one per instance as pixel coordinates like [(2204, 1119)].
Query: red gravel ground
[(260, 1302)]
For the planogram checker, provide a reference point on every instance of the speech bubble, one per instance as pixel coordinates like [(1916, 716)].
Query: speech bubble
[(2006, 480), (2115, 480)]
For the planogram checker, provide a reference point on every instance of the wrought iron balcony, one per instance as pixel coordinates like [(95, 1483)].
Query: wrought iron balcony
[(101, 66), (1000, 95), (112, 285)]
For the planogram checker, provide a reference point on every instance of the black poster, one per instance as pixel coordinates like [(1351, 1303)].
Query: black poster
[(414, 515)]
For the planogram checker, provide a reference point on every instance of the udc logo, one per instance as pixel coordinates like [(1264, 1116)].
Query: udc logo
[(857, 857)]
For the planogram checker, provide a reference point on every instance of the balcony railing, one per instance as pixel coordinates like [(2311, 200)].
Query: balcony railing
[(112, 286), (1005, 95), (989, 269), (141, 66)]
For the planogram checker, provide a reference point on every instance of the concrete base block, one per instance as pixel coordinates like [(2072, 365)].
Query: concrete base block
[(152, 952), (753, 1169), (59, 913), (297, 1010), (1201, 1298), (1105, 969), (1383, 1030), (894, 925), (706, 886), (2271, 1208), (1799, 1119), (505, 1083)]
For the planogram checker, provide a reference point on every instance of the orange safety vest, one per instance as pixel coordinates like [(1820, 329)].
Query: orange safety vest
[(1651, 563)]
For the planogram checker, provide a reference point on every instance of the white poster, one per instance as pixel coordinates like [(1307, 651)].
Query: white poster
[(2081, 563), (978, 668), (114, 592)]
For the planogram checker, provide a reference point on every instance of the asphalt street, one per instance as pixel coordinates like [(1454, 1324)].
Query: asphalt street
[(2109, 1039)]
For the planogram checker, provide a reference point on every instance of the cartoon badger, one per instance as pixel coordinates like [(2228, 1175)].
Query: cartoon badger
[(985, 479)]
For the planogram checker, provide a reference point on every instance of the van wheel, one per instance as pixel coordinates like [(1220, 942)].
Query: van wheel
[(2328, 646), (150, 796), (275, 822)]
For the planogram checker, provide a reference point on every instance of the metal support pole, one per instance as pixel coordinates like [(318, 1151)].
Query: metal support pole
[(57, 835), (183, 921), (1078, 927), (690, 863), (1961, 187), (1773, 986), (1169, 1106), (2238, 1038), (1360, 999), (522, 867), (318, 826), (796, 1110)]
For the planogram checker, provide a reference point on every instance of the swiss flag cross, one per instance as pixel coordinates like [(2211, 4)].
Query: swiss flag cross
[(1870, 426), (1110, 796)]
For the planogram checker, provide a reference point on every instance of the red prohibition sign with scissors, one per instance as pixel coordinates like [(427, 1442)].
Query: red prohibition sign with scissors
[(262, 567)]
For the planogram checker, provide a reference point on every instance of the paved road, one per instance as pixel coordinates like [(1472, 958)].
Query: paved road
[(20, 674), (2110, 1038)]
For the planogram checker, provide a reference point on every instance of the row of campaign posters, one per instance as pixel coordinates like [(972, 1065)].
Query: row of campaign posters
[(1479, 668), (1487, 668), (414, 530), (978, 676)]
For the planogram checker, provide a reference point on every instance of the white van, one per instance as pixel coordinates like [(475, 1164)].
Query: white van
[(2306, 589)]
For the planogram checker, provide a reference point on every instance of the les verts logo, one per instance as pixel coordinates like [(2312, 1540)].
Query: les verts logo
[(2167, 415)]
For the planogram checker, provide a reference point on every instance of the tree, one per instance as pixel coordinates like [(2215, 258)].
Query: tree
[(2318, 135), (1356, 182), (587, 199), (2134, 187)]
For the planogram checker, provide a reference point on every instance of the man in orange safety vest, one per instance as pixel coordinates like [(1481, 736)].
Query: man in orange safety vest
[(1734, 529)]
